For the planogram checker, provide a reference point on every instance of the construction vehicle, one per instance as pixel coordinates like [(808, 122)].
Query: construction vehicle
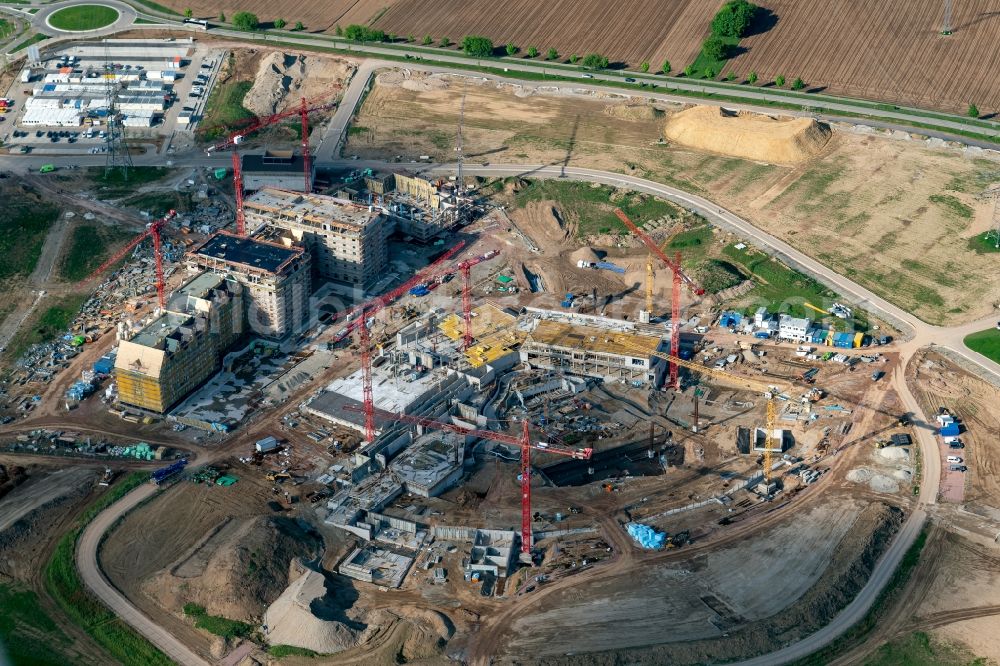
[(47, 168), (523, 442), (108, 477), (770, 392), (278, 477)]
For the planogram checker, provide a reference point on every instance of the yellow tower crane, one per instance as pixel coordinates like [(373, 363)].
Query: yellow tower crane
[(769, 391)]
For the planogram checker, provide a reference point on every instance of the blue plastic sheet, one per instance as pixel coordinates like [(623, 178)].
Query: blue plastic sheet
[(646, 536)]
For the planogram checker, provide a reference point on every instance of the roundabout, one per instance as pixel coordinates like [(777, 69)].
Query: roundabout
[(83, 18)]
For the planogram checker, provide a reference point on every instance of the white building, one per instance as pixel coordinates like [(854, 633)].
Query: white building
[(795, 329)]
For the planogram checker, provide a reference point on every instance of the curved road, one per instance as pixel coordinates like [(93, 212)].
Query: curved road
[(126, 17), (94, 578)]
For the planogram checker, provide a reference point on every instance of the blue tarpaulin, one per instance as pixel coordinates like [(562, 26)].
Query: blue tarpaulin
[(646, 536), (950, 430)]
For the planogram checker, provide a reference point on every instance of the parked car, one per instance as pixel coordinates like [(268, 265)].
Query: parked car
[(629, 80), (956, 445), (957, 468), (954, 459), (877, 375)]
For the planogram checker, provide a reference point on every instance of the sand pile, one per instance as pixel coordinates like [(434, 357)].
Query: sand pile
[(237, 570), (894, 453), (861, 475), (305, 616), (283, 79), (881, 483), (587, 254), (746, 135)]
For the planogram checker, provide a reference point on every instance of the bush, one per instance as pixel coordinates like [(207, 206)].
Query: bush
[(709, 72), (644, 67), (188, 13), (666, 67), (511, 49), (362, 33), (573, 58), (731, 76), (337, 30), (552, 54), (780, 80), (734, 19), (280, 23), (532, 52), (973, 111), (444, 43), (427, 40), (477, 46), (245, 21), (298, 26), (222, 17), (798, 84), (715, 48), (752, 78), (595, 61), (689, 70)]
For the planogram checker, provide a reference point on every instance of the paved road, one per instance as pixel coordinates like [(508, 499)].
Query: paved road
[(94, 579)]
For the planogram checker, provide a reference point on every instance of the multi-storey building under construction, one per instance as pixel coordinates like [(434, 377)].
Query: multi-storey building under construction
[(172, 355), (276, 280), (347, 241)]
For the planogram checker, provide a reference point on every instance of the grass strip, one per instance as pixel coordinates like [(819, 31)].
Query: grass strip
[(986, 343), (62, 582), (34, 39), (214, 624)]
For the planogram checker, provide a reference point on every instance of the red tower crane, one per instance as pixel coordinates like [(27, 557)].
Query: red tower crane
[(241, 223), (675, 302), (466, 268), (153, 230), (360, 315), (523, 442)]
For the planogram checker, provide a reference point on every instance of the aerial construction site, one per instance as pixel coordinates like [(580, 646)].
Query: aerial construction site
[(315, 357)]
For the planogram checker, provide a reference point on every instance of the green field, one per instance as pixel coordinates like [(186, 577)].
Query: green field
[(225, 109), (114, 183), (214, 624), (23, 228), (34, 39), (27, 632), (919, 649), (83, 17), (279, 651), (986, 343), (53, 321), (6, 28), (984, 243), (90, 245), (592, 208), (62, 581)]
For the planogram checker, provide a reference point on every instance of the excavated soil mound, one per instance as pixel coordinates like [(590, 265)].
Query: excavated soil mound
[(237, 570), (306, 616), (746, 135), (282, 79), (632, 111), (585, 254), (543, 222)]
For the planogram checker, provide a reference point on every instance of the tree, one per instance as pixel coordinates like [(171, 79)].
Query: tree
[(280, 23), (362, 33), (595, 61), (709, 72), (532, 52), (222, 17), (188, 13), (552, 54), (666, 67), (752, 78), (245, 21), (573, 58), (689, 70), (299, 27), (444, 43), (715, 49), (644, 67), (511, 48), (734, 19), (393, 37), (798, 84), (477, 46), (337, 30), (411, 39), (972, 111), (427, 40), (779, 80), (730, 76)]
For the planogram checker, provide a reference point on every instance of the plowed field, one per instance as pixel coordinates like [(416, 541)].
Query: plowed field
[(628, 31), (316, 16), (882, 49)]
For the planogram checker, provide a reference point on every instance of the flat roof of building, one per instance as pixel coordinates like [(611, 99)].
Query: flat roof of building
[(313, 209), (248, 252), (273, 162), (158, 330), (592, 339)]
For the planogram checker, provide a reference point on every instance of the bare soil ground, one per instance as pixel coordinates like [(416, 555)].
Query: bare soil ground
[(315, 16), (890, 50), (895, 215)]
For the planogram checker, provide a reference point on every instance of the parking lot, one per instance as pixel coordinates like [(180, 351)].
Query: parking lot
[(60, 105)]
